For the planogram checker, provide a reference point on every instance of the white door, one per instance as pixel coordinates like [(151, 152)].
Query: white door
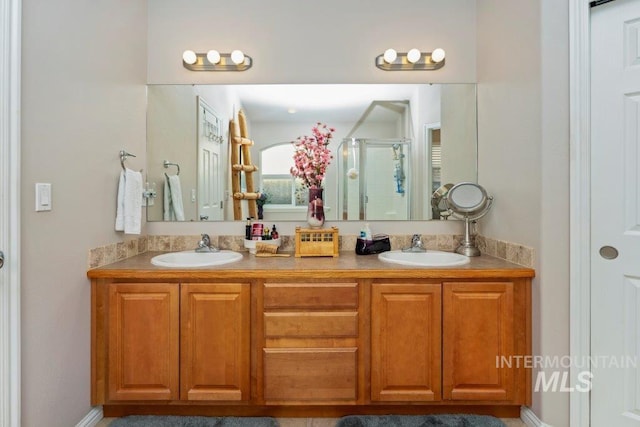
[(210, 175), (615, 210), (10, 67)]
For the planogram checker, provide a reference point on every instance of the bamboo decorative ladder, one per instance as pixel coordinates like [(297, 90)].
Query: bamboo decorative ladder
[(241, 162)]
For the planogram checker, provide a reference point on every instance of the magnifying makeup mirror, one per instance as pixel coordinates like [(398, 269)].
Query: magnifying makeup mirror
[(470, 202)]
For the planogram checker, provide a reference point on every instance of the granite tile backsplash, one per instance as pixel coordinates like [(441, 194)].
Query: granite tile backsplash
[(113, 252), (512, 252), (108, 254)]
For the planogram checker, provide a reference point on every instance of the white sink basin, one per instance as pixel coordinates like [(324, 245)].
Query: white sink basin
[(195, 259), (424, 259)]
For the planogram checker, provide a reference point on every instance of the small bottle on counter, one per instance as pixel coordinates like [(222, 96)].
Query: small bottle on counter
[(267, 234), (274, 232), (257, 230), (247, 229)]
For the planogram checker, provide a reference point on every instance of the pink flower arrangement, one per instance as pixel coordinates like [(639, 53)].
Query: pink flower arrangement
[(312, 156)]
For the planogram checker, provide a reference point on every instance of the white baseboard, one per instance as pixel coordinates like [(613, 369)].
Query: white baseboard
[(530, 418), (92, 418)]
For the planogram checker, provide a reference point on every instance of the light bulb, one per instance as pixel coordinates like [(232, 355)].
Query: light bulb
[(213, 56), (413, 56), (437, 55), (390, 55), (189, 57), (237, 57)]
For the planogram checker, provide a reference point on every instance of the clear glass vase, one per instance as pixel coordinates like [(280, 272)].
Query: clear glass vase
[(315, 211)]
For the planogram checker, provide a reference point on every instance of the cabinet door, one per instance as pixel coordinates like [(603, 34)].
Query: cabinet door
[(478, 328), (143, 341), (215, 340), (405, 342), (310, 375)]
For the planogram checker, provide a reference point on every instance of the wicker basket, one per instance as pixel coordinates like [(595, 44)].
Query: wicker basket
[(317, 242)]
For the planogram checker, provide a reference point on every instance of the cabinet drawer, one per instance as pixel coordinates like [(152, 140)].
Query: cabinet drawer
[(311, 325), (311, 295), (310, 375)]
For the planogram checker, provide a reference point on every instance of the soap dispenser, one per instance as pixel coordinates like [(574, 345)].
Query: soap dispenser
[(367, 233)]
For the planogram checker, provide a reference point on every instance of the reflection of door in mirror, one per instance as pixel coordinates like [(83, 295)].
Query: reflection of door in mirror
[(435, 159), (373, 178), (209, 154)]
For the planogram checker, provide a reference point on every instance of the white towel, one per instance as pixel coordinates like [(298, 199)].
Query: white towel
[(129, 203), (173, 208)]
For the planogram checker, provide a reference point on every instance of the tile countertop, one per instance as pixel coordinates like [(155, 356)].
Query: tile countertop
[(347, 265)]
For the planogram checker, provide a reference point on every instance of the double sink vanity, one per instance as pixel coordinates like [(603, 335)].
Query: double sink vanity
[(310, 336)]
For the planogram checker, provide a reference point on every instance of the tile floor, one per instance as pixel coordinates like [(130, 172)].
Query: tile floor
[(325, 422)]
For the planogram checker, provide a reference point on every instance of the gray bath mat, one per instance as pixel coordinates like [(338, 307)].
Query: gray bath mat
[(419, 421), (176, 421)]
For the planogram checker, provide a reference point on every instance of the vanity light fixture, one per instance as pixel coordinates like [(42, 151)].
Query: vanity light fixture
[(390, 60), (213, 56), (390, 56), (413, 56), (216, 61), (237, 57), (189, 57)]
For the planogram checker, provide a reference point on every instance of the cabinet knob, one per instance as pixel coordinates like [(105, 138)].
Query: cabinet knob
[(1, 259)]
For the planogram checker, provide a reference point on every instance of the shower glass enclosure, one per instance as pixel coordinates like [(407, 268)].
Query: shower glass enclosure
[(374, 179)]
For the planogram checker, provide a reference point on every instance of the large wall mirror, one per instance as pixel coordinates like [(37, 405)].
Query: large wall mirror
[(395, 148)]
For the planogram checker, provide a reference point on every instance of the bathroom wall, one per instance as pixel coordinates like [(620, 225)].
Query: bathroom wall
[(83, 100), (335, 42), (301, 42), (523, 118)]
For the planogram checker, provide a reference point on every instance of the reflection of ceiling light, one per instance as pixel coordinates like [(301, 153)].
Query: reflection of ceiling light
[(292, 111), (216, 61)]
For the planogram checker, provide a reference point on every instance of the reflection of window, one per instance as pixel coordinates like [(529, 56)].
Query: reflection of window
[(276, 179), (436, 159)]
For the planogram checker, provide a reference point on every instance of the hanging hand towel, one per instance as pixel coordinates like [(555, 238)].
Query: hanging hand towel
[(129, 202), (120, 203), (173, 207)]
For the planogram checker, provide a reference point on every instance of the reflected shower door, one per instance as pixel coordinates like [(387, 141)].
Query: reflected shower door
[(386, 172)]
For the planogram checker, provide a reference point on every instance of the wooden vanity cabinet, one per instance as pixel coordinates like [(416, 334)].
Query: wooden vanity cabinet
[(483, 323), (215, 341), (172, 341), (311, 338), (143, 337), (486, 324), (309, 341), (405, 342)]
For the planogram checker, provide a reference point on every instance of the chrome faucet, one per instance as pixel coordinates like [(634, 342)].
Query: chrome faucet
[(416, 245), (205, 245)]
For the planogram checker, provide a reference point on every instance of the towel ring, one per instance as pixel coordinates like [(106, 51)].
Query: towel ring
[(123, 157), (167, 163)]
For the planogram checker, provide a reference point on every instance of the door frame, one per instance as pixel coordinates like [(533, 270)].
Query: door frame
[(580, 205), (10, 51)]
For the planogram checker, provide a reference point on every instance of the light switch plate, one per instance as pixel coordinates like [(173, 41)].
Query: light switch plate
[(43, 197)]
